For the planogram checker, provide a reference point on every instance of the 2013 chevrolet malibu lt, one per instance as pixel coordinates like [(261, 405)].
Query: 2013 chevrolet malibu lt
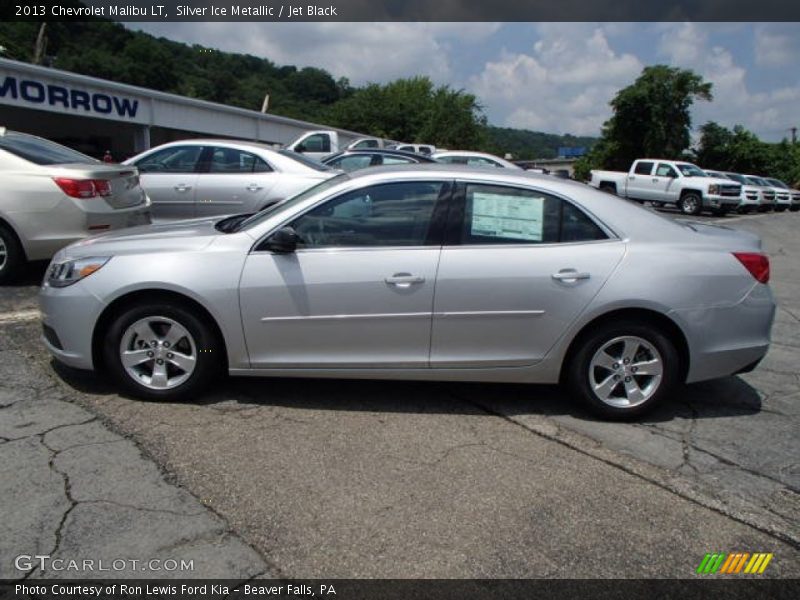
[(430, 272)]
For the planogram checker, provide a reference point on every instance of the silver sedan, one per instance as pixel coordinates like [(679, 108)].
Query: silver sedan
[(212, 177), (425, 272)]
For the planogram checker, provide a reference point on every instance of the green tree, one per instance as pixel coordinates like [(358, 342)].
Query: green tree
[(413, 110), (714, 148), (651, 117)]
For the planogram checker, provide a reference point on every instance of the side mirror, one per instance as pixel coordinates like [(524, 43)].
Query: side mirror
[(283, 241), (300, 148)]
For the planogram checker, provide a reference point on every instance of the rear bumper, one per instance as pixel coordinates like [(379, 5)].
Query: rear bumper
[(43, 234), (730, 339)]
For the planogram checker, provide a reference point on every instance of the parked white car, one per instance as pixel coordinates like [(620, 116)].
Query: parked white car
[(427, 149), (768, 195), (671, 182), (750, 200), (207, 177), (473, 159), (53, 196), (793, 194)]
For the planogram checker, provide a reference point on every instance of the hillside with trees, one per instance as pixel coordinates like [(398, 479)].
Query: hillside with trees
[(409, 110)]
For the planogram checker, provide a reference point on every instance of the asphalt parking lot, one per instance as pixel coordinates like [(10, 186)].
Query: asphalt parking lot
[(314, 478)]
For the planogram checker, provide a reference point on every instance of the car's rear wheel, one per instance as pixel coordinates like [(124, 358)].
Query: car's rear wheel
[(162, 352), (11, 255), (609, 188), (623, 369), (690, 204)]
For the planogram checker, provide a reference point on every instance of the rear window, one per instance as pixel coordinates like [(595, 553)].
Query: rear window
[(40, 151), (309, 162)]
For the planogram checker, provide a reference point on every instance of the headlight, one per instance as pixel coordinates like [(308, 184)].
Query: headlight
[(66, 273), (713, 189)]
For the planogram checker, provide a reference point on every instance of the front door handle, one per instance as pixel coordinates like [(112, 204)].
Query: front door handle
[(254, 187), (182, 187), (404, 280), (570, 275)]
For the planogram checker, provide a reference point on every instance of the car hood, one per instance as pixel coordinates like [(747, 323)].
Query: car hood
[(193, 234)]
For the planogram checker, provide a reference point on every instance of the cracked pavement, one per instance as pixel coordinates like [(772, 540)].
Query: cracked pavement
[(74, 489), (315, 478)]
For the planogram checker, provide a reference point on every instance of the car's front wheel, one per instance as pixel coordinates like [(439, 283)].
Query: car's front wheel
[(623, 369), (162, 351), (691, 204)]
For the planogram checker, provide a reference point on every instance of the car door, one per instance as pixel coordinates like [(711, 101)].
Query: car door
[(358, 291), (517, 268), (169, 176), (640, 184), (664, 183), (232, 180)]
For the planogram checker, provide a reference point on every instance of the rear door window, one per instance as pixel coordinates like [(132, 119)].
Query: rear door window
[(643, 168)]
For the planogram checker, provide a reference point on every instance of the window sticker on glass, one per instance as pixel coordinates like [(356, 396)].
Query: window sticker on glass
[(512, 217)]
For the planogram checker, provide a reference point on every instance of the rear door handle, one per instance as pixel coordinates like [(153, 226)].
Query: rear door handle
[(404, 280), (570, 275), (182, 187), (254, 187)]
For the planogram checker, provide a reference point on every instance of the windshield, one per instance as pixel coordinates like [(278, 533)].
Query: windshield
[(777, 183), (737, 177), (757, 181), (40, 151), (309, 162), (690, 170), (271, 209)]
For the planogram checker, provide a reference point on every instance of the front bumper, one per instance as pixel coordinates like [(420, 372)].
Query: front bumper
[(725, 340), (722, 201), (71, 313)]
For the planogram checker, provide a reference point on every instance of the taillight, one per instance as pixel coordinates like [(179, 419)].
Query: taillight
[(102, 186), (83, 188), (756, 263)]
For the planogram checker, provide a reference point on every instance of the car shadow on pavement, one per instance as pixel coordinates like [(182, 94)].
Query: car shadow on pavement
[(727, 397)]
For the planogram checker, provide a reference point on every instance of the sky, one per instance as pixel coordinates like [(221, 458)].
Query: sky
[(552, 77)]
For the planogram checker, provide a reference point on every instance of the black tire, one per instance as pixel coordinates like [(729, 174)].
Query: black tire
[(794, 208), (720, 212), (208, 351), (691, 203), (12, 256), (578, 373)]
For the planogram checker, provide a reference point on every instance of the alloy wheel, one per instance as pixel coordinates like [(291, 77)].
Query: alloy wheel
[(158, 352), (3, 253), (626, 371)]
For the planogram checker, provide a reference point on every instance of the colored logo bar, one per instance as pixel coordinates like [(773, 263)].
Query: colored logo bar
[(734, 563)]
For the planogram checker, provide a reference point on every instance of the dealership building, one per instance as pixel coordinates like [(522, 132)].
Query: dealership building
[(94, 115)]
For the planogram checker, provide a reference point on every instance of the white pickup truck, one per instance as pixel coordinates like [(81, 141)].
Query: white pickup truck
[(671, 182), (318, 144)]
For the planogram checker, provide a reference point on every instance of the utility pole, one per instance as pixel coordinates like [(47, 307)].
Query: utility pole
[(41, 45), (794, 134)]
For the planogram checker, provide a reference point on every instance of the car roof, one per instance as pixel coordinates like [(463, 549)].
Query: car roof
[(387, 151)]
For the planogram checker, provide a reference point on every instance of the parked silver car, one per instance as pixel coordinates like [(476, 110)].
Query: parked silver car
[(536, 280), (473, 159), (208, 177), (53, 195)]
